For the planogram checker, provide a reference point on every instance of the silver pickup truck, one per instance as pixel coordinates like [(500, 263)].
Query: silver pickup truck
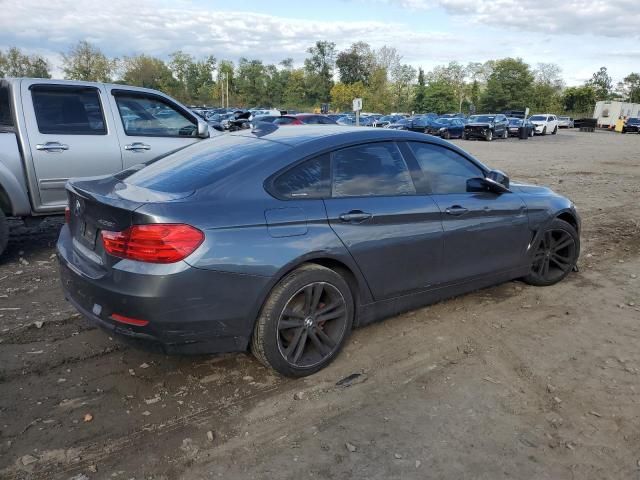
[(53, 130)]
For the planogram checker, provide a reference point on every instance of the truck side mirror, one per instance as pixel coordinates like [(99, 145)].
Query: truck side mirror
[(203, 129)]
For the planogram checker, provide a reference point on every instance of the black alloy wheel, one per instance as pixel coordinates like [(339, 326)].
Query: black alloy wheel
[(304, 322), (555, 254)]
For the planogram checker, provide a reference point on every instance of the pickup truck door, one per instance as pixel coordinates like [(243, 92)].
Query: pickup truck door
[(71, 133), (150, 124)]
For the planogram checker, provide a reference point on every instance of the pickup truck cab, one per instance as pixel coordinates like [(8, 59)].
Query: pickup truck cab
[(53, 130)]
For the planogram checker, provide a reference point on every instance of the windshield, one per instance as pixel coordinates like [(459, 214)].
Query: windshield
[(515, 121), (481, 118), (540, 118), (634, 121)]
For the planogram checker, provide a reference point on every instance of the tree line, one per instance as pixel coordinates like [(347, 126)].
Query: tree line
[(379, 76)]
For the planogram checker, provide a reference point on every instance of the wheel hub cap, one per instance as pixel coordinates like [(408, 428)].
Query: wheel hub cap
[(308, 322)]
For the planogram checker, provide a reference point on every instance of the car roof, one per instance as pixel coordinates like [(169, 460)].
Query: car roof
[(330, 134)]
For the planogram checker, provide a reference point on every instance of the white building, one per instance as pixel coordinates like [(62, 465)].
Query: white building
[(607, 112)]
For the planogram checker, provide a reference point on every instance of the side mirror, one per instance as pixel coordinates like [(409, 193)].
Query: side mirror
[(203, 129), (495, 181), (498, 177)]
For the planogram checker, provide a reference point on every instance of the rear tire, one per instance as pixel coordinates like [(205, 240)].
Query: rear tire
[(555, 255), (446, 135), (304, 322), (4, 233)]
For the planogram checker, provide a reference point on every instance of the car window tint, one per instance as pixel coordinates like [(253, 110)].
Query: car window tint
[(68, 111), (445, 170), (375, 169), (5, 107), (309, 179), (284, 121), (150, 116)]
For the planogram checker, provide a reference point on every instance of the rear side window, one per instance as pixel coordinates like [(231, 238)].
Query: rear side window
[(375, 169), (68, 111), (309, 179), (6, 120), (149, 116)]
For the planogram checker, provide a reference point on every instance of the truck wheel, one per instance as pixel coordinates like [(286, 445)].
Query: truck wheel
[(4, 233)]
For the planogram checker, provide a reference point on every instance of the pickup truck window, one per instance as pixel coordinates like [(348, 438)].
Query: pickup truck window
[(148, 116), (5, 108), (68, 110)]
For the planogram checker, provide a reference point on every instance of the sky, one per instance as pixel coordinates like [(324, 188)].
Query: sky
[(579, 35)]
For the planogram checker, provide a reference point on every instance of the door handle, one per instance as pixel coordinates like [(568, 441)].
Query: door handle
[(355, 216), (55, 147), (456, 210), (137, 147)]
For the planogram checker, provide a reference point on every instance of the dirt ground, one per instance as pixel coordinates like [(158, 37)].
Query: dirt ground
[(509, 382)]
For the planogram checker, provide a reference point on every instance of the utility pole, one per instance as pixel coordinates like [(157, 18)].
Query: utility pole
[(227, 89)]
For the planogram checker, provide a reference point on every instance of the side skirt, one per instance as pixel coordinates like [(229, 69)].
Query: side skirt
[(377, 311)]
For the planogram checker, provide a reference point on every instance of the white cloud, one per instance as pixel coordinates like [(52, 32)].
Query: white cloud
[(159, 27), (607, 18), (124, 27)]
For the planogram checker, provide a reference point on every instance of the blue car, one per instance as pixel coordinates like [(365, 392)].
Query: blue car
[(280, 240), (449, 127)]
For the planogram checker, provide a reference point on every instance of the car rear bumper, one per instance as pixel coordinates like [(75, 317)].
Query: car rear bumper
[(189, 310)]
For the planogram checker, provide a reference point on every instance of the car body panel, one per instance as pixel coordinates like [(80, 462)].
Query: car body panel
[(408, 253)]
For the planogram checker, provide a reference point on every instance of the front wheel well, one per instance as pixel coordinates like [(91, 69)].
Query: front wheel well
[(570, 219)]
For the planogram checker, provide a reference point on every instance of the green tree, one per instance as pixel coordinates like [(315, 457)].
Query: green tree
[(453, 74), (85, 61), (342, 95), (356, 64), (440, 97), (509, 86), (17, 64), (631, 87), (148, 72), (295, 95), (601, 83), (251, 82), (419, 97), (319, 71), (402, 77), (579, 101)]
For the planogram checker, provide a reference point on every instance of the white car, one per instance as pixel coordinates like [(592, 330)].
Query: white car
[(545, 123)]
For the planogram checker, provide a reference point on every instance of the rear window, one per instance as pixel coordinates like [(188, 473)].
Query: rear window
[(6, 119), (68, 111), (205, 162)]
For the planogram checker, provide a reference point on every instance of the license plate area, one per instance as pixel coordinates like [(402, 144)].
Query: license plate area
[(88, 234)]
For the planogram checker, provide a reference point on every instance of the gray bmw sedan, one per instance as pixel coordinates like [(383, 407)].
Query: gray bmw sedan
[(281, 240)]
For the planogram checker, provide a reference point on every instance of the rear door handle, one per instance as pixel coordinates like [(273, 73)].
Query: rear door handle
[(52, 147), (355, 216), (456, 210), (137, 147)]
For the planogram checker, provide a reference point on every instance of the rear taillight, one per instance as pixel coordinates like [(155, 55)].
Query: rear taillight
[(154, 243), (67, 215)]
